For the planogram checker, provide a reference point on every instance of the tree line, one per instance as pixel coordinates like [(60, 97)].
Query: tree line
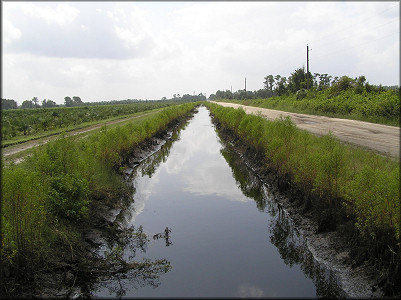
[(77, 101), (34, 103), (297, 83)]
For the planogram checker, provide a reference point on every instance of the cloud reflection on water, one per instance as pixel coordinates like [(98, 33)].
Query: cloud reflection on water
[(195, 162), (196, 159)]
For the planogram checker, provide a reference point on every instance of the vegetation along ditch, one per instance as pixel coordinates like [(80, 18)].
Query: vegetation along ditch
[(346, 190), (65, 188), (21, 125)]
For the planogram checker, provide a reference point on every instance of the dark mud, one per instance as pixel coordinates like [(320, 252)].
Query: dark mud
[(328, 247), (71, 275)]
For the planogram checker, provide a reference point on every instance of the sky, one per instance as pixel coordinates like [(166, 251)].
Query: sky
[(147, 50)]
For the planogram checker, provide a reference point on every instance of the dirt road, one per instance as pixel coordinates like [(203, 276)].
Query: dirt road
[(27, 145), (380, 138)]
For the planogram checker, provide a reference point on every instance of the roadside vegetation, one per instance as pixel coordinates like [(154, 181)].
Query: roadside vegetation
[(51, 197), (342, 97), (348, 189), (21, 125)]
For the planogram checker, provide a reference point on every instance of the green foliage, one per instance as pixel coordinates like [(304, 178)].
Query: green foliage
[(373, 195), (24, 215), (343, 84), (68, 196), (381, 107), (16, 122), (8, 104)]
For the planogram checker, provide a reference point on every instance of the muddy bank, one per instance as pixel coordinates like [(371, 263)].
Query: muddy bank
[(69, 273), (327, 243)]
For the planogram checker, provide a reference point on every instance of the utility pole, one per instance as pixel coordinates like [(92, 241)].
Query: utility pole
[(245, 84), (307, 66)]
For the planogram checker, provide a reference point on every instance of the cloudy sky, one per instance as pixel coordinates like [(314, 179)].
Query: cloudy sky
[(149, 50)]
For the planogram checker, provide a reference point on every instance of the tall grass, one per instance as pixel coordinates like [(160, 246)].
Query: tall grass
[(335, 178), (48, 198), (377, 107)]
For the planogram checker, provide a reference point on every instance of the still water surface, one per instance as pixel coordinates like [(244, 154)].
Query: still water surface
[(227, 237)]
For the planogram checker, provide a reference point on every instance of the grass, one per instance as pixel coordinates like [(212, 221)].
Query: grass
[(7, 160), (26, 138)]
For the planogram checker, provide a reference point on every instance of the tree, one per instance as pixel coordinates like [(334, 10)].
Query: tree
[(35, 102), (23, 125), (269, 80), (68, 101), (48, 103), (342, 84), (360, 84), (8, 104), (282, 86), (297, 80), (324, 81), (27, 104), (77, 100)]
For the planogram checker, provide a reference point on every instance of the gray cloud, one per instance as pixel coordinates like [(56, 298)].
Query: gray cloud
[(90, 34)]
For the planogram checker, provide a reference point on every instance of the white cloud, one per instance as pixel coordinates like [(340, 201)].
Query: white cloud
[(10, 32), (62, 14)]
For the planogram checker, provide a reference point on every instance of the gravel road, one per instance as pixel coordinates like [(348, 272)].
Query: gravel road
[(380, 138)]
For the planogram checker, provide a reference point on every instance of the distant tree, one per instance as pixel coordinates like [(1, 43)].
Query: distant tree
[(360, 84), (227, 94), (77, 100), (269, 81), (201, 96), (49, 103), (164, 98), (324, 81), (297, 80), (8, 104), (27, 104), (342, 84), (35, 102), (68, 101), (281, 86)]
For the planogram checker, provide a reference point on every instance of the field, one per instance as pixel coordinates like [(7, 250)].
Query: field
[(20, 125)]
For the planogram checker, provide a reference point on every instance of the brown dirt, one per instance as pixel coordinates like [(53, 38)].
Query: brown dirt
[(379, 138)]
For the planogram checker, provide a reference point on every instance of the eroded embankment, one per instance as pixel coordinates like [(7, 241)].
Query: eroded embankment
[(365, 267), (73, 203)]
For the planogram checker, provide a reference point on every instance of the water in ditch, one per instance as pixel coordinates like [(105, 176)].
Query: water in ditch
[(214, 225)]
